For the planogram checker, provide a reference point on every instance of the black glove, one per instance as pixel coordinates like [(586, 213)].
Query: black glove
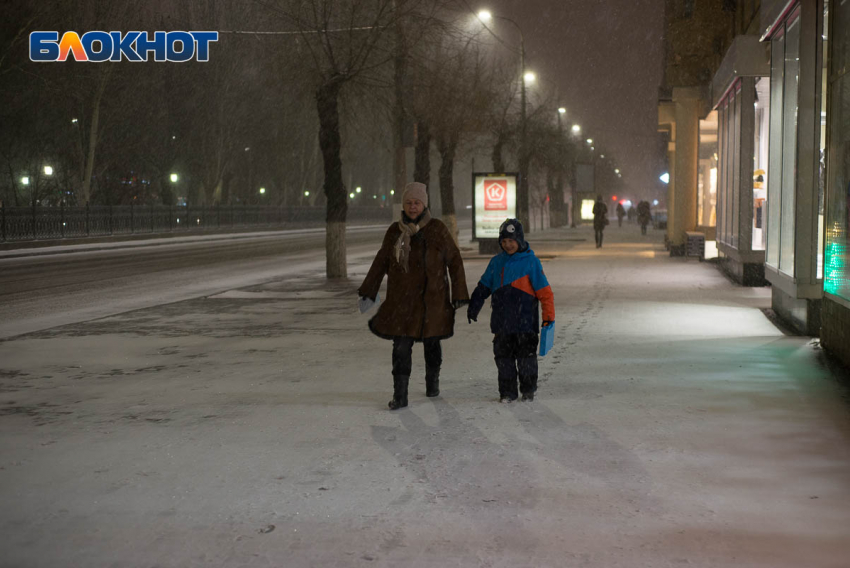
[(470, 318)]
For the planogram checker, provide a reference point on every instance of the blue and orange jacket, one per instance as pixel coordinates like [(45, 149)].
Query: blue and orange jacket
[(517, 284)]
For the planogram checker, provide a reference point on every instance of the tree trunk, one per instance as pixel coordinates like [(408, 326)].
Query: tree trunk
[(448, 149), (557, 209), (422, 158), (496, 156), (93, 127), (327, 104)]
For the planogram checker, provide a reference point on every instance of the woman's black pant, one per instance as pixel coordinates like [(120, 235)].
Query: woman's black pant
[(403, 355), (598, 236), (516, 357)]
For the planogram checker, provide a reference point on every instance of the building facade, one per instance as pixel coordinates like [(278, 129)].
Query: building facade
[(770, 161)]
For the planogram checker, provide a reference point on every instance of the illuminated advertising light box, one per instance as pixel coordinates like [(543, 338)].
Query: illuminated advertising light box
[(587, 209), (493, 201)]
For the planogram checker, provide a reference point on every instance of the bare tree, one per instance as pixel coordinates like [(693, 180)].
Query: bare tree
[(342, 40)]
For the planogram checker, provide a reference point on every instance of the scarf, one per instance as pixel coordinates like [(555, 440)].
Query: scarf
[(401, 249)]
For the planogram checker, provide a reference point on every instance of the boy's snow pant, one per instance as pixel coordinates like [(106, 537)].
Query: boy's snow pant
[(403, 352), (516, 356)]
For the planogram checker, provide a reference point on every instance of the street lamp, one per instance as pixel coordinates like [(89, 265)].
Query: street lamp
[(48, 170), (576, 129), (522, 192), (25, 180), (262, 191), (174, 178)]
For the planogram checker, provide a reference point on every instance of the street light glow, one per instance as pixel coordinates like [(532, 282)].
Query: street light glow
[(665, 177), (529, 77), (173, 178), (351, 195), (307, 193), (262, 190), (616, 170), (576, 128), (562, 110), (590, 140), (485, 15), (25, 180), (392, 192), (358, 190), (74, 121), (48, 170)]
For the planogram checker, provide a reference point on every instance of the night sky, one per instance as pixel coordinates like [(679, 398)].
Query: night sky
[(605, 60)]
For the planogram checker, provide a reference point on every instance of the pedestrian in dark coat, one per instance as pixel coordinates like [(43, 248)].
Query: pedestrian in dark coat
[(600, 219), (418, 255), (644, 215)]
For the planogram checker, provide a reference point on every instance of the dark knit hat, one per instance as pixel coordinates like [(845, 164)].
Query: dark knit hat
[(512, 229)]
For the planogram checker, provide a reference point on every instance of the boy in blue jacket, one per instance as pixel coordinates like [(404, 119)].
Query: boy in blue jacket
[(516, 281)]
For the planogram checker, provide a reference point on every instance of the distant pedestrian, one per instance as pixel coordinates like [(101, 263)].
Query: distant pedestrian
[(644, 215), (621, 212), (600, 219), (418, 255), (516, 281)]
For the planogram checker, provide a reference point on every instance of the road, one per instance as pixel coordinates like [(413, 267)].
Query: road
[(61, 286)]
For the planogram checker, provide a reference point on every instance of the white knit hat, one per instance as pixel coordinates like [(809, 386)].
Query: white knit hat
[(415, 190)]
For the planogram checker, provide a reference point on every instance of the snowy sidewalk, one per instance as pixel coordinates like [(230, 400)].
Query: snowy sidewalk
[(674, 425)]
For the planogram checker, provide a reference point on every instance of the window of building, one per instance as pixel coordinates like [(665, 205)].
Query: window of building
[(782, 182), (789, 147), (819, 225), (735, 197), (774, 177), (836, 277), (707, 176), (760, 149)]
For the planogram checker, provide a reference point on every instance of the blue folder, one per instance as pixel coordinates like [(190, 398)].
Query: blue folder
[(547, 339)]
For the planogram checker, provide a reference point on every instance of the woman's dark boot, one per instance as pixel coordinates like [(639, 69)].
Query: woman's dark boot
[(432, 382), (399, 392)]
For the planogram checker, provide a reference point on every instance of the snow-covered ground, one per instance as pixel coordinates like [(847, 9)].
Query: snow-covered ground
[(674, 425)]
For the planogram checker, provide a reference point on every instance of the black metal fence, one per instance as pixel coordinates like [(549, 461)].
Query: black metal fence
[(33, 223)]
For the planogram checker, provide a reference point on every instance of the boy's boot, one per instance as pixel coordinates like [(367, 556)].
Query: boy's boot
[(399, 392), (507, 378), (432, 381), (527, 377)]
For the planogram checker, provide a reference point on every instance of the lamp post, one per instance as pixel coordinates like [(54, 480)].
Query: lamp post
[(524, 158)]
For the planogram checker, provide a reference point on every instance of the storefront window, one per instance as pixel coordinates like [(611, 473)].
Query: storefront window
[(707, 177), (822, 130), (789, 147), (760, 148), (723, 199), (837, 256), (774, 178), (735, 198), (729, 170)]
